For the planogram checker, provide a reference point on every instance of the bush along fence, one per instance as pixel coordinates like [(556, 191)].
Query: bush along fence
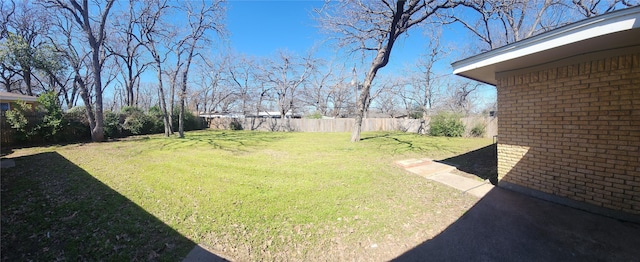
[(465, 126), (23, 126)]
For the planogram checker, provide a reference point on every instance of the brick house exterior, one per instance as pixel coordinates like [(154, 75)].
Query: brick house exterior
[(569, 105)]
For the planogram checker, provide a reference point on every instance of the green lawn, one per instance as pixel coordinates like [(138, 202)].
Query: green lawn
[(248, 195)]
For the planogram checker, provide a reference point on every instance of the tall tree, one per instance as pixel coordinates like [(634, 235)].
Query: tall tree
[(321, 91), (25, 51), (424, 82), (94, 31), (243, 76), (152, 34), (127, 46), (375, 26), (201, 20), (76, 57), (285, 73)]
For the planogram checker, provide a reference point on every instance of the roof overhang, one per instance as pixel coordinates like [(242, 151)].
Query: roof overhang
[(614, 30), (9, 97)]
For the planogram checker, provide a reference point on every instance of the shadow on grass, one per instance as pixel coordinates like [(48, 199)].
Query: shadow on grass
[(407, 145), (481, 162), (54, 210), (231, 141)]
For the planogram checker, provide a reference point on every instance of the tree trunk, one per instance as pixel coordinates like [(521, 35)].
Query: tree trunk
[(97, 133), (26, 72), (381, 60), (163, 104), (84, 93), (183, 90)]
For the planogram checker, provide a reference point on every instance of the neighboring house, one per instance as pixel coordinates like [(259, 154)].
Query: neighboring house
[(569, 102), (6, 100)]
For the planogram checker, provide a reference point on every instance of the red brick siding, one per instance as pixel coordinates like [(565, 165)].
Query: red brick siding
[(574, 131)]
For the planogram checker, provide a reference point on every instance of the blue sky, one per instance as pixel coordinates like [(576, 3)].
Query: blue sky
[(260, 28)]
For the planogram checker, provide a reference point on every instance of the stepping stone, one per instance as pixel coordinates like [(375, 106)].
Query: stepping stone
[(441, 173), (424, 167), (412, 162)]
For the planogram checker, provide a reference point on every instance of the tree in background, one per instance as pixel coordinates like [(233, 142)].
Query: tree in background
[(589, 8), (375, 26), (242, 77), (27, 58), (286, 73), (94, 31), (127, 46), (201, 20), (153, 33)]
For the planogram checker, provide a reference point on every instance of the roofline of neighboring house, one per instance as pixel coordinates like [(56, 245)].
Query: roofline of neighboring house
[(11, 97), (482, 67)]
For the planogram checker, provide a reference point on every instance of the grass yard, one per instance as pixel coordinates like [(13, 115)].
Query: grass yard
[(248, 195)]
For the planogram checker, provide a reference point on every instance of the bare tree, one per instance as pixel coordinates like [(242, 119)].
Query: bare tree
[(77, 58), (341, 96), (424, 84), (460, 97), (215, 92), (200, 22), (285, 74), (152, 34), (127, 46), (95, 36), (7, 9), (242, 76), (589, 8), (500, 22), (388, 98), (320, 92), (375, 26)]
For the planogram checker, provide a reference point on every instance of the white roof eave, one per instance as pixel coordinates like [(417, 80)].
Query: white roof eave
[(586, 29)]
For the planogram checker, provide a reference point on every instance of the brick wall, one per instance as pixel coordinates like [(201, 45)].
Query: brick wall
[(572, 129)]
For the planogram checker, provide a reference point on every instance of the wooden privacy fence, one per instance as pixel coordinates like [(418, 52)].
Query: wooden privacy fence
[(343, 124)]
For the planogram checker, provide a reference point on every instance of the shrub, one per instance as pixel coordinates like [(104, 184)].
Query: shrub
[(235, 125), (136, 122), (53, 121), (77, 124), (77, 114), (156, 114), (478, 130), (191, 122), (112, 126), (17, 118), (446, 124)]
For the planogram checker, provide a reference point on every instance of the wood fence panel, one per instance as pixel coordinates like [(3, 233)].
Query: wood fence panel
[(345, 124)]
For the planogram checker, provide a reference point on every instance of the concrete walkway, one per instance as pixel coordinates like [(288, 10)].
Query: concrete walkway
[(201, 253), (441, 173)]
